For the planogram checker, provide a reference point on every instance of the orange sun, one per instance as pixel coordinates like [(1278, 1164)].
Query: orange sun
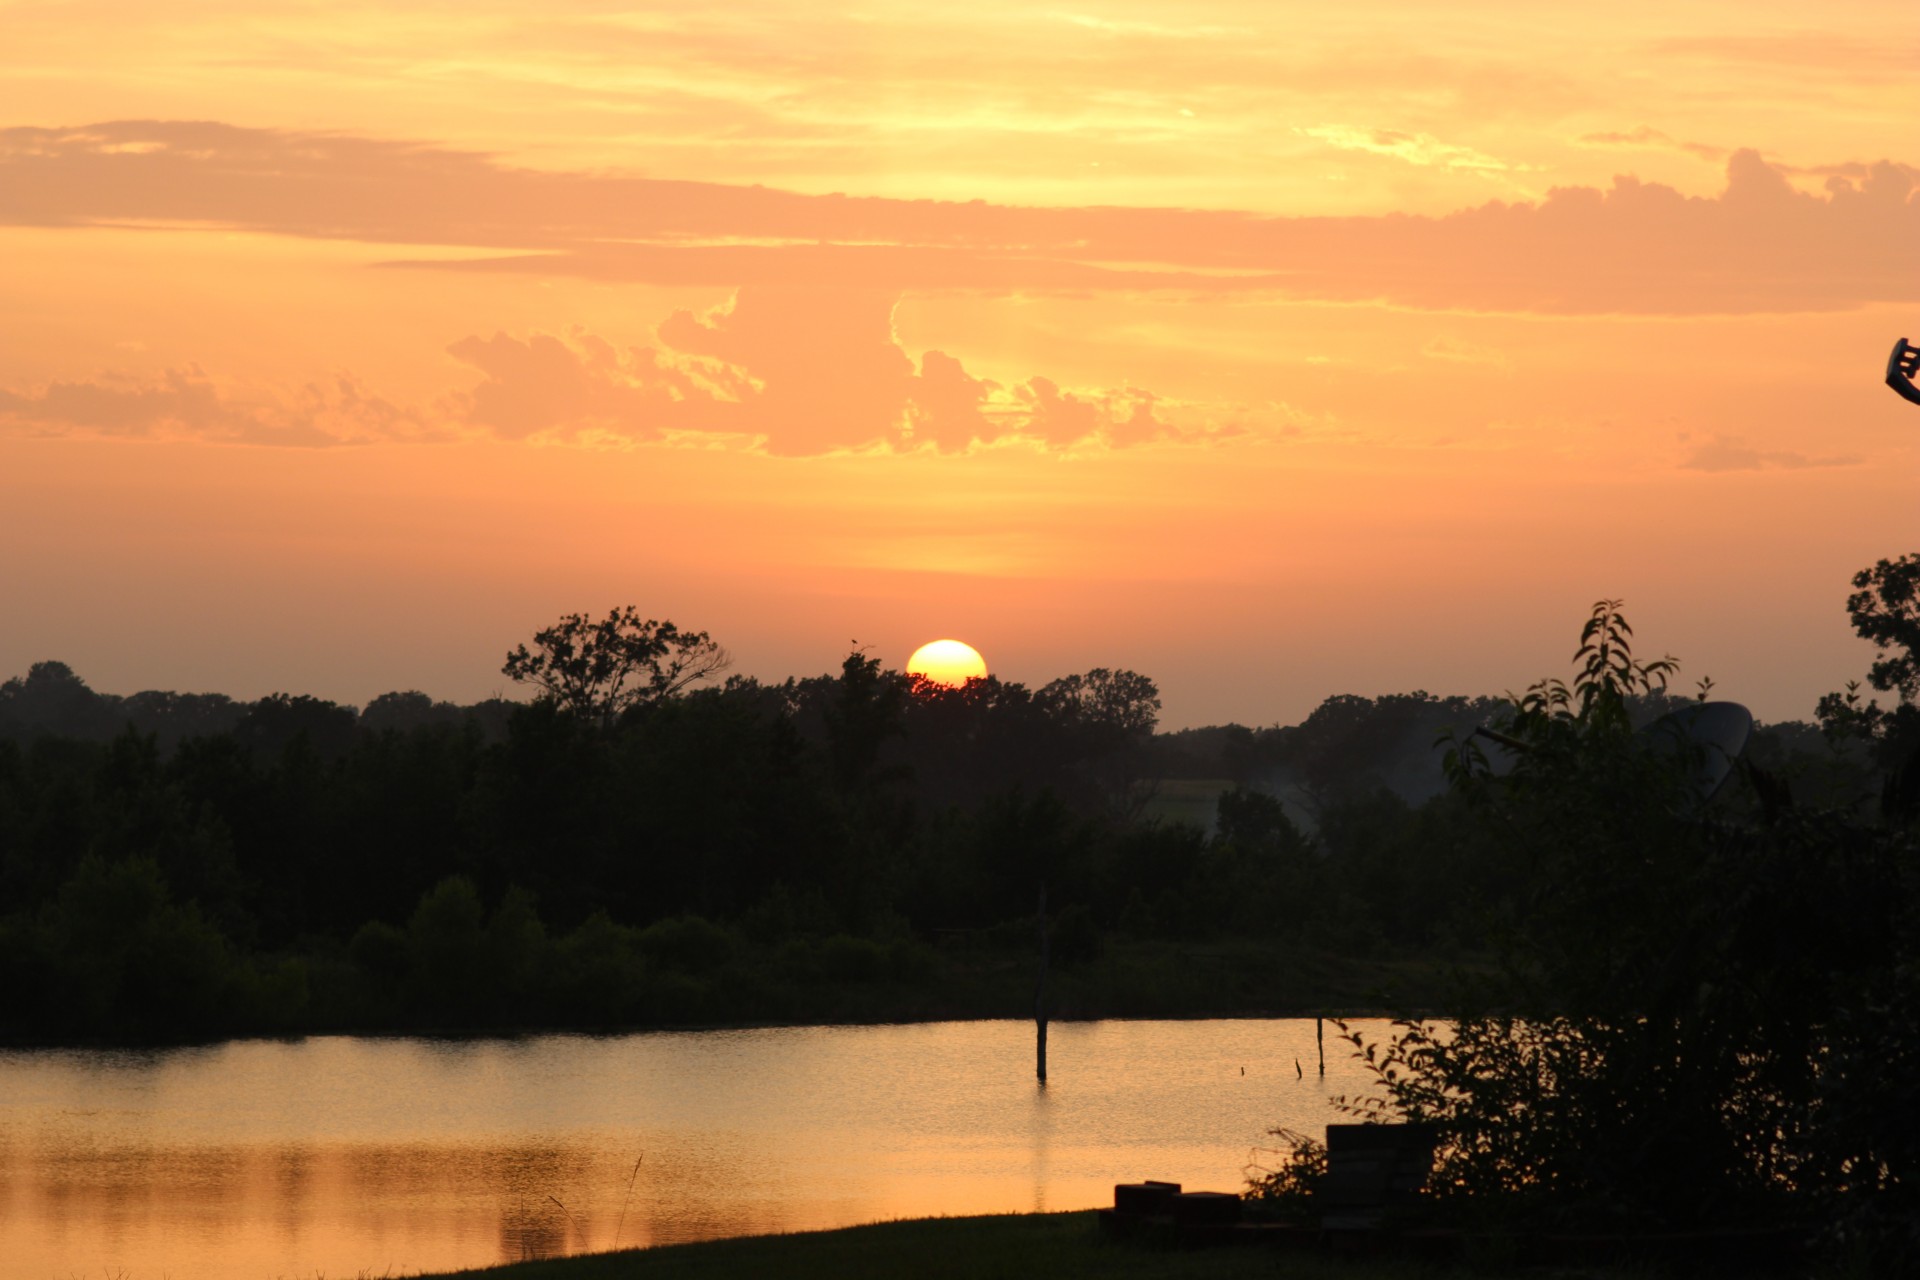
[(947, 662)]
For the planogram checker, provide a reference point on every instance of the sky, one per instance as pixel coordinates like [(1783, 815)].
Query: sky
[(1274, 350)]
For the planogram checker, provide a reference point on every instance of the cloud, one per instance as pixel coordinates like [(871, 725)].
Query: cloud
[(1456, 351), (1732, 453), (1058, 417), (1633, 248), (784, 371), (825, 367), (800, 373), (1141, 423), (1422, 149), (542, 384), (1647, 138), (794, 371), (949, 406), (1151, 30), (184, 403), (1823, 53), (883, 268)]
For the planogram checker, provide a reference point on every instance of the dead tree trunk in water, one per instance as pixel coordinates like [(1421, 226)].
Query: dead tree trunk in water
[(1040, 995)]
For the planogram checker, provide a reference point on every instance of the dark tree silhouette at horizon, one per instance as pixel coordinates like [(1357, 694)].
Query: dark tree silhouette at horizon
[(601, 670)]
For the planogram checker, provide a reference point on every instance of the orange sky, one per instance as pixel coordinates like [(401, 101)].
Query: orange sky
[(1272, 351)]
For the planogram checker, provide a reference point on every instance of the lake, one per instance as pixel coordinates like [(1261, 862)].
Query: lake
[(337, 1156)]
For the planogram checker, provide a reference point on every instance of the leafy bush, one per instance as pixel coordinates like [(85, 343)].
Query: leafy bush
[(1076, 938), (597, 973), (848, 959), (115, 953), (447, 954), (688, 943), (1660, 1048), (1286, 1190), (380, 951)]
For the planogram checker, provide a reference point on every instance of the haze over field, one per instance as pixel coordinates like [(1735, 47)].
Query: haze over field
[(1272, 352)]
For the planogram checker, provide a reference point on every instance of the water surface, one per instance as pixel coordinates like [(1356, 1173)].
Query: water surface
[(339, 1156)]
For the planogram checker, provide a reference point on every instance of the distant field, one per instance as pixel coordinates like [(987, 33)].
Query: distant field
[(1189, 800), (1054, 1246)]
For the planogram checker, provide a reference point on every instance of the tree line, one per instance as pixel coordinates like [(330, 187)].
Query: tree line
[(647, 842)]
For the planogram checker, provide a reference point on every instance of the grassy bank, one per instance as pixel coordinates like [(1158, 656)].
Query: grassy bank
[(1052, 1246)]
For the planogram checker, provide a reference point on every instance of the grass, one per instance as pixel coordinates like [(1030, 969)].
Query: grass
[(1049, 1246)]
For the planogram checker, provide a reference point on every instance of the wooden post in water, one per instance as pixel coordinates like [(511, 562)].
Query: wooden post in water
[(1040, 995), (1320, 1041)]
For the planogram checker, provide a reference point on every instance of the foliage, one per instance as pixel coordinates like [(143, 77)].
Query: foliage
[(865, 712), (1110, 717), (1885, 608), (280, 722), (1287, 1190), (1119, 706), (1848, 715), (845, 845), (780, 815), (1658, 1047), (600, 670), (114, 952)]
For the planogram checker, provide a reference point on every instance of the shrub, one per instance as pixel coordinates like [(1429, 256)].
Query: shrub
[(1655, 1052), (849, 959), (688, 943), (597, 973), (1076, 938), (1287, 1189), (380, 951), (123, 959), (447, 953)]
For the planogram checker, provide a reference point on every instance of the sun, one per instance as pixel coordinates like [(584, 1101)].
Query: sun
[(947, 662)]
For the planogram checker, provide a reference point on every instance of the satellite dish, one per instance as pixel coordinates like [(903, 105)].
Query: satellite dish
[(1712, 734), (1901, 366)]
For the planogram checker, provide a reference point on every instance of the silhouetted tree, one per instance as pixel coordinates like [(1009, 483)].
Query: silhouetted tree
[(279, 720), (1885, 608), (174, 717), (602, 669), (404, 711), (52, 699), (1111, 716), (1119, 706), (864, 712)]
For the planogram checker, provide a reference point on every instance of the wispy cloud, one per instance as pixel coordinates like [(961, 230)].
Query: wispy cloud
[(1646, 138), (185, 403), (1815, 52), (1457, 351), (1733, 453), (1632, 248), (1149, 30), (1421, 149)]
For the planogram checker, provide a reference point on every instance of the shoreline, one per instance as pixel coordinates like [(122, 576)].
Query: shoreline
[(26, 1045), (1044, 1246), (1132, 980), (1048, 1246)]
